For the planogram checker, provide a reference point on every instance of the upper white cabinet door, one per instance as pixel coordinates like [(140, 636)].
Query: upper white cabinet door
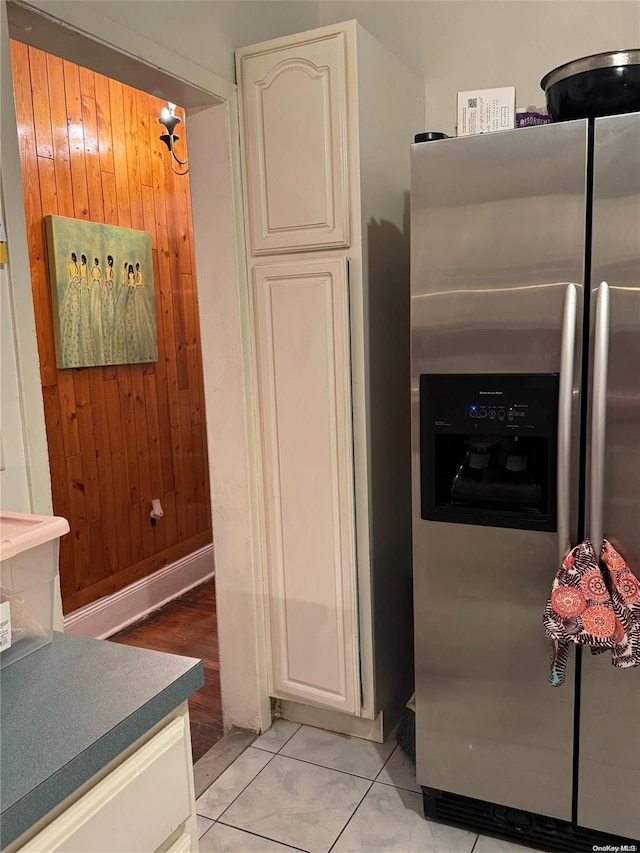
[(295, 146), (302, 313)]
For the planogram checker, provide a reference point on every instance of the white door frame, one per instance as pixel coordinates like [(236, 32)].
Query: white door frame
[(225, 315)]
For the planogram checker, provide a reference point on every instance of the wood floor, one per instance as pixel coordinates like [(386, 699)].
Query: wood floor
[(188, 626)]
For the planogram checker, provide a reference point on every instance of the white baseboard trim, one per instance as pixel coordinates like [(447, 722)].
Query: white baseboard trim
[(111, 614), (333, 721)]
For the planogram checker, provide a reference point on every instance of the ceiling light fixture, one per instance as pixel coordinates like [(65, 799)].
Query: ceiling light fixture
[(169, 120)]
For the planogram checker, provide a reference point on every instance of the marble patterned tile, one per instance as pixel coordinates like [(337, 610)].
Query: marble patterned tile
[(484, 844), (226, 839), (203, 824), (339, 752), (276, 737), (213, 763), (297, 803), (400, 772), (391, 819), (232, 782)]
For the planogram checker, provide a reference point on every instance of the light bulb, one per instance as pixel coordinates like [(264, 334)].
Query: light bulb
[(172, 107), (165, 113)]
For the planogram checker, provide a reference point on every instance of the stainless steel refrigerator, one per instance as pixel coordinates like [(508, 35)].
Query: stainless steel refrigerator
[(525, 440)]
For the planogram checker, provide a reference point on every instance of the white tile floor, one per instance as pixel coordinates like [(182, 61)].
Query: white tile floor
[(301, 788)]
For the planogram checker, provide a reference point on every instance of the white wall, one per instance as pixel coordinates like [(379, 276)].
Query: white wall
[(204, 32), (25, 484), (14, 484), (25, 430), (223, 297), (465, 44), (14, 488), (453, 44)]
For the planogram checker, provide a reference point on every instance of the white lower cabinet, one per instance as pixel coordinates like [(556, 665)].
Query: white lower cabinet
[(302, 325), (144, 804)]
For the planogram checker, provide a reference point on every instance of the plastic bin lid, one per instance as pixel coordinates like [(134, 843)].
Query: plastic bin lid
[(20, 531)]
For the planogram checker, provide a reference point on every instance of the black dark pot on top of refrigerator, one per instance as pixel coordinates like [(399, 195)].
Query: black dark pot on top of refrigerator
[(599, 85)]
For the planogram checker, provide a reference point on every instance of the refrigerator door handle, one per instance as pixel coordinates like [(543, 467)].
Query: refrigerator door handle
[(565, 408), (599, 416)]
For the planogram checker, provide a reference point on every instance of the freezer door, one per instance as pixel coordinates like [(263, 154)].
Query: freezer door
[(497, 235), (609, 757)]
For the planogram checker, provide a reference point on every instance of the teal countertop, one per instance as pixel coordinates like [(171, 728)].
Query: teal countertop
[(68, 709)]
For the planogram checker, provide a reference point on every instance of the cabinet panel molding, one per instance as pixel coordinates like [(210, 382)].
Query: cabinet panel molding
[(302, 319), (295, 141)]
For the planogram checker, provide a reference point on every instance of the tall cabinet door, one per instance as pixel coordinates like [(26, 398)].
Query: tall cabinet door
[(302, 320), (294, 131), (609, 776)]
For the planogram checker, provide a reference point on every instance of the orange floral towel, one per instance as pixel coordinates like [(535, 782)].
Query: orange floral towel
[(625, 596), (589, 608)]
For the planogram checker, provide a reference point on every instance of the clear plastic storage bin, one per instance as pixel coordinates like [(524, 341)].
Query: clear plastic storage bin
[(28, 566)]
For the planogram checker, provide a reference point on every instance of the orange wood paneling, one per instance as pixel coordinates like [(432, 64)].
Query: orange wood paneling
[(118, 436), (41, 104), (55, 74), (137, 571)]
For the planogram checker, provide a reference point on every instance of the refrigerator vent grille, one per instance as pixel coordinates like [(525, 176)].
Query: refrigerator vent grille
[(542, 833)]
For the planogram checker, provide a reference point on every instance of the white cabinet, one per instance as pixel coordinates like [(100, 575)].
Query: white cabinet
[(295, 120), (327, 118), (302, 325), (142, 802)]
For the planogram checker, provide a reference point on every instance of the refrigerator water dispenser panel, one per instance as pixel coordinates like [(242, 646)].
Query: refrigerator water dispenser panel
[(488, 449)]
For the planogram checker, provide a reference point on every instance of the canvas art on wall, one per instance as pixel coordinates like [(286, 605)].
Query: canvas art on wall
[(102, 293)]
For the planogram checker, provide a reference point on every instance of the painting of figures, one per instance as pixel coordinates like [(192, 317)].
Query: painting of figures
[(101, 279)]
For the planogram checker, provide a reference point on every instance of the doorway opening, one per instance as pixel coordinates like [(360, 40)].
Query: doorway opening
[(122, 435)]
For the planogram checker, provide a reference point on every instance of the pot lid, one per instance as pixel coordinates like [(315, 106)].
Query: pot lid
[(611, 59)]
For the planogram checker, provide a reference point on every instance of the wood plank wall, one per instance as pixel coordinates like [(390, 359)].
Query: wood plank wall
[(118, 436)]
